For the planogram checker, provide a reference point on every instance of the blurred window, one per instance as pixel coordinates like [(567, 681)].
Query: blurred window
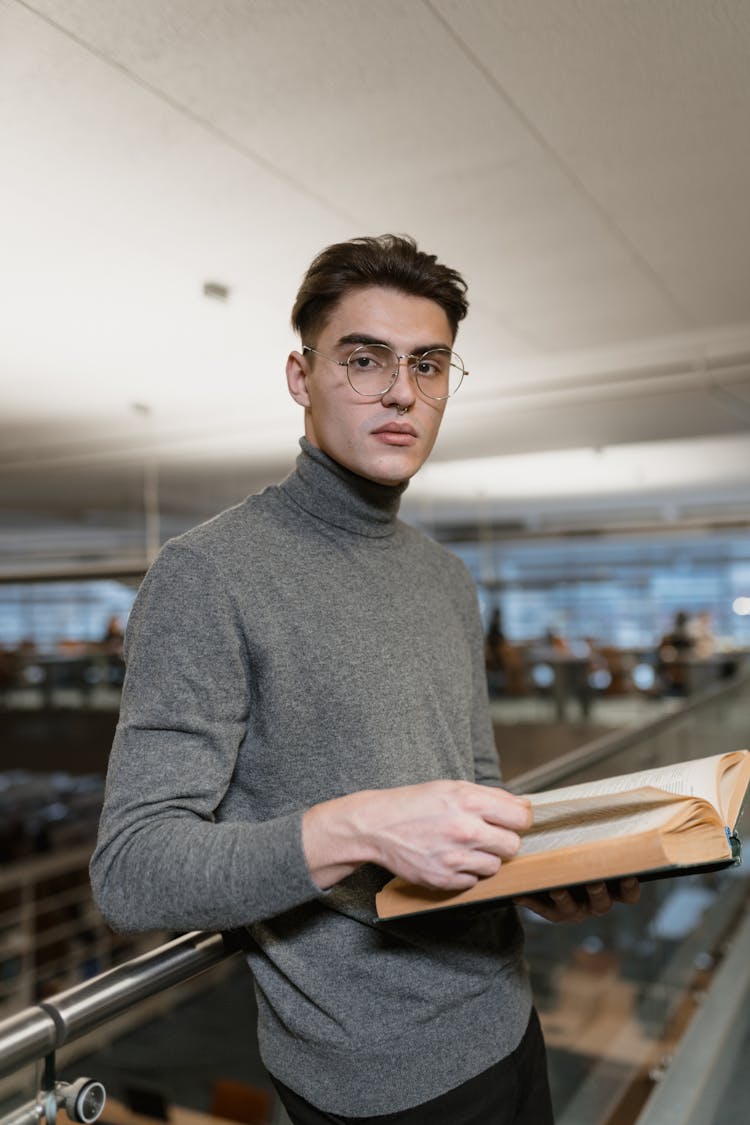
[(46, 613)]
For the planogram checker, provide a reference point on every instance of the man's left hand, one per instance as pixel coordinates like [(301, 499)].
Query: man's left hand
[(593, 900)]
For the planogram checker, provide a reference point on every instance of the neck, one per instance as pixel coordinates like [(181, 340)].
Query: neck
[(336, 495)]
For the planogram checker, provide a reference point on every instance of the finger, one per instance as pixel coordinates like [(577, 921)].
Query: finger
[(600, 900), (496, 805), (629, 891), (565, 909), (505, 809), (472, 832), (566, 905), (538, 906), (482, 858), (455, 881), (500, 842), (480, 864)]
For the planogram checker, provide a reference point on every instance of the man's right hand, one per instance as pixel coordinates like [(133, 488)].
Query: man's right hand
[(442, 834)]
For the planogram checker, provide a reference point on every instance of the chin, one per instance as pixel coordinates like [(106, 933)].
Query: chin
[(392, 474), (390, 470)]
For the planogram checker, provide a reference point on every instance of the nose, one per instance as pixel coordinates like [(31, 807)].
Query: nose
[(403, 392)]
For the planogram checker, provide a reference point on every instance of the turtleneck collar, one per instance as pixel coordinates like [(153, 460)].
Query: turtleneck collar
[(340, 497)]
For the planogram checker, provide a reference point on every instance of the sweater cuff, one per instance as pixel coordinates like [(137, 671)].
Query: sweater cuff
[(279, 858)]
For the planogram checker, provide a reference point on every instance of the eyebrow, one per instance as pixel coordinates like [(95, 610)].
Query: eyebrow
[(363, 338)]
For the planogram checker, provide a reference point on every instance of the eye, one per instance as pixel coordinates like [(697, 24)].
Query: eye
[(367, 358), (427, 367), (363, 362), (432, 365)]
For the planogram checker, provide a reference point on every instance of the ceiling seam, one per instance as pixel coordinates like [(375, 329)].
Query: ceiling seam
[(642, 263), (697, 375), (185, 111)]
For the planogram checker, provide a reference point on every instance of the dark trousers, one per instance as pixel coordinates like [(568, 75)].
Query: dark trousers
[(514, 1091)]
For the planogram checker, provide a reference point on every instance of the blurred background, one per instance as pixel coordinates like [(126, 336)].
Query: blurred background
[(168, 171)]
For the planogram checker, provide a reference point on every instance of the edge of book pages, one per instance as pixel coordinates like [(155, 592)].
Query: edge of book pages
[(443, 900)]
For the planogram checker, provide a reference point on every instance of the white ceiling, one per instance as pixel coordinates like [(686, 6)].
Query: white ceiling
[(585, 163)]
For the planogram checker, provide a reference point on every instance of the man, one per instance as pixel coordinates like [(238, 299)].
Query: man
[(305, 713)]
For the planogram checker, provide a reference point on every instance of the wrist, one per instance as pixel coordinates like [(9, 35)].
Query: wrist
[(335, 838)]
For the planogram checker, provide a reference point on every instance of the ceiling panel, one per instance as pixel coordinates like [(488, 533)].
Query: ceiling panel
[(645, 106), (583, 162)]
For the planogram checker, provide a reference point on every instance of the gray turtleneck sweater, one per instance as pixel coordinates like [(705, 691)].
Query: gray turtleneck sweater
[(300, 646)]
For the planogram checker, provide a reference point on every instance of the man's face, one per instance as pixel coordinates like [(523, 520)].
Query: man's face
[(368, 435)]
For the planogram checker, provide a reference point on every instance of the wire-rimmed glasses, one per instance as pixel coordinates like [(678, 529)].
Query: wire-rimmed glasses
[(372, 369)]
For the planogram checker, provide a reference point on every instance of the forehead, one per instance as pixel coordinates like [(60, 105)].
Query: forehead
[(389, 315)]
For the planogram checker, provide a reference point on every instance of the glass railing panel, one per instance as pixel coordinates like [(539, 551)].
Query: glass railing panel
[(707, 1082), (616, 994)]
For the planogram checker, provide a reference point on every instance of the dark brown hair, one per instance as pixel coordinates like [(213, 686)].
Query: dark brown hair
[(389, 260)]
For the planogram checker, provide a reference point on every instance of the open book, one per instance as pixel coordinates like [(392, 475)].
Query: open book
[(656, 822)]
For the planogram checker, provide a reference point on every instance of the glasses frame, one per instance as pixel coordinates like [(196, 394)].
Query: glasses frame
[(394, 376)]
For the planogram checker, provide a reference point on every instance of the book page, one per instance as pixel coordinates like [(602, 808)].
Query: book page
[(574, 823), (686, 779), (605, 805), (733, 785)]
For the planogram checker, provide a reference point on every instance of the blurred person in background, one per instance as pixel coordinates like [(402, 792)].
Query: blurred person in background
[(674, 648), (494, 653), (701, 629), (113, 646)]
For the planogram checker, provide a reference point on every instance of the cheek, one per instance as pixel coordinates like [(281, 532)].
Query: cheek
[(433, 419), (342, 423)]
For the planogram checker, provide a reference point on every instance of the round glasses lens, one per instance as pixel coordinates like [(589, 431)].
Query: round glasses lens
[(372, 368), (439, 373)]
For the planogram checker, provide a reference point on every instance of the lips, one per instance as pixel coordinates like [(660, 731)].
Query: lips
[(396, 428), (396, 434)]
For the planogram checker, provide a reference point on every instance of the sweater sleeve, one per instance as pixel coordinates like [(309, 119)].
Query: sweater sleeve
[(162, 860)]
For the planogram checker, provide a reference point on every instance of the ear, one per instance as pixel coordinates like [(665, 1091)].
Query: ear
[(296, 378)]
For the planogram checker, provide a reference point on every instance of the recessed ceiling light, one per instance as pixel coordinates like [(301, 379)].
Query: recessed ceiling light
[(216, 291)]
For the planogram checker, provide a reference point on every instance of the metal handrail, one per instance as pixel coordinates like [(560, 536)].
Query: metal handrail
[(45, 1027), (597, 750)]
